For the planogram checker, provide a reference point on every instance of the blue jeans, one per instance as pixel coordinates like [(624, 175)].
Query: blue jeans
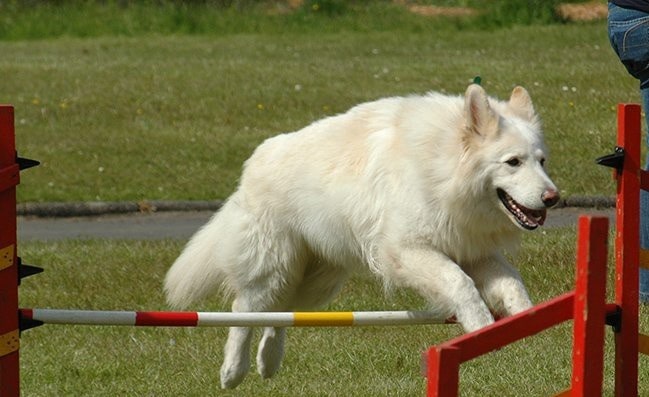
[(628, 31)]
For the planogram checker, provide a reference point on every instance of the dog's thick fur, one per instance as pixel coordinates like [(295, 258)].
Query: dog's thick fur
[(425, 191)]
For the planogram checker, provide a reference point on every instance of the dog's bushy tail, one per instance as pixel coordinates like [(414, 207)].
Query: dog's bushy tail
[(199, 270)]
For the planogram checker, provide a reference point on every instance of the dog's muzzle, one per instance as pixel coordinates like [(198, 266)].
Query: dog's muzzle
[(527, 218)]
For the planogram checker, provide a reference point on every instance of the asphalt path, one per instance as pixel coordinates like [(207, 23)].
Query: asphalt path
[(181, 225)]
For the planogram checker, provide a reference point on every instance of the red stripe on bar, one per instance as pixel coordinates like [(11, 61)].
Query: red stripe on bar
[(27, 314), (166, 319)]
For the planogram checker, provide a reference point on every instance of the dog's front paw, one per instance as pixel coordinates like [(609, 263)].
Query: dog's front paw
[(475, 319), (516, 300)]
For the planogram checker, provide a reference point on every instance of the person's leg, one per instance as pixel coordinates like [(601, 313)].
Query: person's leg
[(628, 30), (644, 208)]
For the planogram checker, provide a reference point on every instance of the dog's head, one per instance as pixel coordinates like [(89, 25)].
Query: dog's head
[(506, 139)]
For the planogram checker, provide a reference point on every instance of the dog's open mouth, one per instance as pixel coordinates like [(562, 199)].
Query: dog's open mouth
[(527, 218)]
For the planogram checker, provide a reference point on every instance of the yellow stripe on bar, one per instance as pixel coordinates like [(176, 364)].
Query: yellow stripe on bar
[(9, 342), (644, 258), (643, 344), (6, 256), (322, 319)]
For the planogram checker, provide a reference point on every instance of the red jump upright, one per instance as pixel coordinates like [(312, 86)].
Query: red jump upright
[(9, 332), (586, 305), (627, 252)]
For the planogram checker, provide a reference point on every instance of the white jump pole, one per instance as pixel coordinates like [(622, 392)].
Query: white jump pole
[(231, 319)]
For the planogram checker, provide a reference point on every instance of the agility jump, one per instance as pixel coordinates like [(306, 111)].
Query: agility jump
[(585, 304), (589, 310)]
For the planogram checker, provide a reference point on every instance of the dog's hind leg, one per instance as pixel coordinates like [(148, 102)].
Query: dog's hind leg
[(236, 362), (269, 271), (271, 351), (318, 286), (271, 346), (321, 284)]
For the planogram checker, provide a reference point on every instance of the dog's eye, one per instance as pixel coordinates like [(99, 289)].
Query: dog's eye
[(542, 162), (514, 162)]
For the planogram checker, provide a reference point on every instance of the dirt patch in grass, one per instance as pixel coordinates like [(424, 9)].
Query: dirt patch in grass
[(591, 11), (436, 11)]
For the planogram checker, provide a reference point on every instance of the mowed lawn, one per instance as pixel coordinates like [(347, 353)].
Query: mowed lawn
[(169, 117), (174, 117), (372, 361)]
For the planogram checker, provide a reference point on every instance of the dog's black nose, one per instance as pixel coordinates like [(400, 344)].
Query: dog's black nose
[(550, 197)]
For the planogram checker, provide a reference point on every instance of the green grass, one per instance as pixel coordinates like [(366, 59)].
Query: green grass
[(374, 361), (47, 19), (167, 102), (174, 117), (135, 18)]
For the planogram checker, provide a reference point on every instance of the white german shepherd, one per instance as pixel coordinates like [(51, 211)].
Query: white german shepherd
[(425, 191)]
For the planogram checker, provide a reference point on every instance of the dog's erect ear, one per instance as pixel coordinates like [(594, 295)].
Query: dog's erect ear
[(520, 103), (480, 118)]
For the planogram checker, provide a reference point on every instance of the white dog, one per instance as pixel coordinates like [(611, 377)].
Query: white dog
[(425, 191)]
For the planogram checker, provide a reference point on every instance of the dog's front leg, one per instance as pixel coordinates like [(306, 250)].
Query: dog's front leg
[(443, 283), (501, 286)]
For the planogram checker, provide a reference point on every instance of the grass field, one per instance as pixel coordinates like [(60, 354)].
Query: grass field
[(174, 117), (93, 18), (107, 361), (171, 111)]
